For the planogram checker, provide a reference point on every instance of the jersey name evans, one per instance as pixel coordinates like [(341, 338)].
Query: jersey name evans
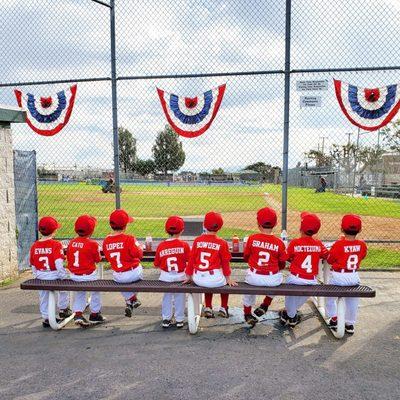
[(352, 249), (307, 249), (207, 245), (113, 246), (43, 251), (175, 250), (265, 245)]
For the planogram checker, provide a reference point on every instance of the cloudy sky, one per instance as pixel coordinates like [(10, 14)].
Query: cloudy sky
[(69, 39)]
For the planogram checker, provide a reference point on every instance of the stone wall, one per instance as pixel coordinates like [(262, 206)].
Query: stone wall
[(8, 245)]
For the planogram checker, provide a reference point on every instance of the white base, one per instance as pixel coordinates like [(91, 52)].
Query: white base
[(52, 313), (341, 310)]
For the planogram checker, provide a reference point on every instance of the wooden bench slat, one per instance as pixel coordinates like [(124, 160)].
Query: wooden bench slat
[(155, 286)]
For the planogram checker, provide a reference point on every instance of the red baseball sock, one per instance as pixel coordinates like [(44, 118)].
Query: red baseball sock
[(78, 313), (247, 310), (334, 318), (267, 301), (224, 300), (208, 299), (133, 298)]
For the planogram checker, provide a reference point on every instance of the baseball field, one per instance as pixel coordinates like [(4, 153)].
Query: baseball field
[(151, 204)]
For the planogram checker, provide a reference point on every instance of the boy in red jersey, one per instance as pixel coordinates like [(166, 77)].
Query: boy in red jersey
[(304, 254), (209, 263), (172, 256), (46, 259), (82, 255), (345, 257), (124, 253), (266, 256)]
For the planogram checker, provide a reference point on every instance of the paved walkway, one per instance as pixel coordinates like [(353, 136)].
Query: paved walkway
[(135, 358)]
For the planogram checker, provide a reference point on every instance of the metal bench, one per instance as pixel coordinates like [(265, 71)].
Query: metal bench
[(195, 293)]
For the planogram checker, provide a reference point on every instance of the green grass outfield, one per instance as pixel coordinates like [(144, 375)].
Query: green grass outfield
[(151, 204)]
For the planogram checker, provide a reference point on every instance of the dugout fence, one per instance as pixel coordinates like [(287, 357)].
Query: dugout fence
[(279, 114)]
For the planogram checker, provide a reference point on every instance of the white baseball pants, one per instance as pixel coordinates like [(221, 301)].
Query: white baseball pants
[(173, 300), (63, 297), (260, 280), (343, 279), (205, 279), (128, 277), (80, 297), (293, 303)]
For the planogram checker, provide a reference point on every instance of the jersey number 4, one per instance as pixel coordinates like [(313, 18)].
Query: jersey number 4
[(307, 264)]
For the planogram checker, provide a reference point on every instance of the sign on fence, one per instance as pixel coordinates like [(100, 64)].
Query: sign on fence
[(310, 101), (306, 86)]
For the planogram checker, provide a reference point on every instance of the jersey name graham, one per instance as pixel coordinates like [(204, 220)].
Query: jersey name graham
[(174, 250), (208, 245), (265, 245), (307, 249)]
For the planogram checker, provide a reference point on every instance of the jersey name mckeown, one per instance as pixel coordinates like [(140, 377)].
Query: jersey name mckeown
[(175, 250), (352, 249), (307, 249), (206, 245), (265, 245)]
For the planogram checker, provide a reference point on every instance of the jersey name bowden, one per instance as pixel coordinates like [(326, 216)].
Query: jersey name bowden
[(208, 245)]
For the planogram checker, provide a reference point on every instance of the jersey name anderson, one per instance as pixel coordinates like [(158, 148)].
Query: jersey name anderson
[(265, 245), (174, 250), (307, 249), (352, 249), (207, 245)]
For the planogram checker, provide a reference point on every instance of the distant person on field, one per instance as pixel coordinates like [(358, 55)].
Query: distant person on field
[(322, 185)]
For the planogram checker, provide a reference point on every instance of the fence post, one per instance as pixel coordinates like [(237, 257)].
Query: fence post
[(286, 117), (114, 106)]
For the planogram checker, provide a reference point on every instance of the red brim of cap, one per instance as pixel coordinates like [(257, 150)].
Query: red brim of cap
[(130, 220)]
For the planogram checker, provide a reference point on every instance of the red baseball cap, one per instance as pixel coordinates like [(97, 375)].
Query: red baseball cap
[(266, 217), (47, 225), (174, 225), (85, 224), (213, 221), (310, 223), (119, 219), (351, 223)]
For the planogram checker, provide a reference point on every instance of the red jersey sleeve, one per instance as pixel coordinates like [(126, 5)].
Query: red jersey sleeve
[(135, 250), (324, 251), (190, 265), (364, 251), (96, 252), (332, 254), (247, 249), (225, 259), (290, 251), (157, 257), (58, 251), (283, 255), (187, 252)]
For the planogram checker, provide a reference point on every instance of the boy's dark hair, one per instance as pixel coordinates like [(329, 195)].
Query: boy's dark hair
[(267, 225), (351, 232), (309, 233)]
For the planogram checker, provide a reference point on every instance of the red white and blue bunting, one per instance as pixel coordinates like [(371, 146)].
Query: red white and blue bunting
[(47, 115), (369, 109), (191, 116)]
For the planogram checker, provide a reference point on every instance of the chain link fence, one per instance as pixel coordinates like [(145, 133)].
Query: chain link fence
[(236, 167)]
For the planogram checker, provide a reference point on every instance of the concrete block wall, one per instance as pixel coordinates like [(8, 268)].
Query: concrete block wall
[(8, 244)]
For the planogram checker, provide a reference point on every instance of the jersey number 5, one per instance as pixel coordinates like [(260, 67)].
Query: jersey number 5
[(204, 262)]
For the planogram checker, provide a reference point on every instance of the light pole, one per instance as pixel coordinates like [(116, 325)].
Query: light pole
[(111, 6)]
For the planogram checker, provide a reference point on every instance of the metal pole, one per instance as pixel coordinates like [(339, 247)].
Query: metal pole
[(114, 106), (355, 160), (286, 118)]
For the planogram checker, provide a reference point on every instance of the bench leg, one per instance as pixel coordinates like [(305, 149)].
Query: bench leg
[(194, 311), (341, 311), (52, 313)]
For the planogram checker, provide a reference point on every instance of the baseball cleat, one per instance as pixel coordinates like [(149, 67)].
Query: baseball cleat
[(251, 320), (332, 324), (294, 321), (67, 312), (260, 311), (166, 323), (284, 318), (128, 310), (349, 329), (136, 303), (179, 324), (208, 312), (46, 323), (96, 318), (223, 312), (81, 321)]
